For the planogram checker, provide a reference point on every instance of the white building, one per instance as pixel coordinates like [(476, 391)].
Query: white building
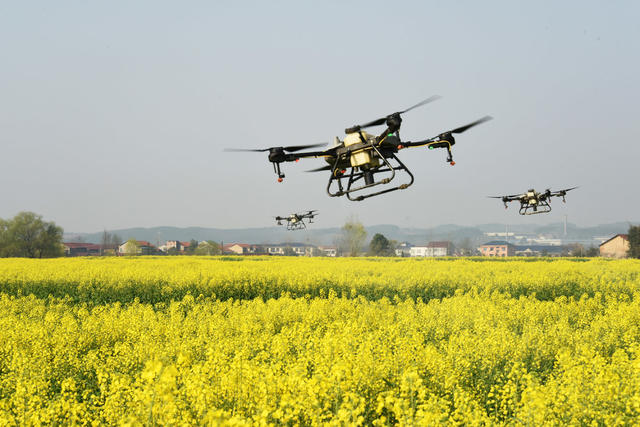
[(433, 249), (328, 250), (404, 249)]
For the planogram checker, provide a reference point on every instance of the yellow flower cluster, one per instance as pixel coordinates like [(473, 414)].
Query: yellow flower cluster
[(319, 341)]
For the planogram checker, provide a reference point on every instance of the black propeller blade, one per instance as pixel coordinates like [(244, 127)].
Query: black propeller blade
[(246, 150), (567, 189), (470, 125), (322, 168), (391, 116)]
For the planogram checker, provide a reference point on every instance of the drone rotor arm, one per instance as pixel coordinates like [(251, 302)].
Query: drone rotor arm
[(562, 192), (310, 154)]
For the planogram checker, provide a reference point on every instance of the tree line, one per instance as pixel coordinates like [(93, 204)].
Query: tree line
[(27, 235)]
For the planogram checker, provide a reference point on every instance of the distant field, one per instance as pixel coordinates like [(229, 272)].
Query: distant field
[(317, 340)]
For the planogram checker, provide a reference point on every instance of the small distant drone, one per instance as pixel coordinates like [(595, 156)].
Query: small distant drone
[(296, 221), (533, 202), (362, 160)]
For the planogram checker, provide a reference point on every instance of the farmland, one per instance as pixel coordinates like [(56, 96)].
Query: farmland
[(314, 341)]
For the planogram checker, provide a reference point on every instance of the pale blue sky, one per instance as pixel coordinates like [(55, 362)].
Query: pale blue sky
[(115, 114)]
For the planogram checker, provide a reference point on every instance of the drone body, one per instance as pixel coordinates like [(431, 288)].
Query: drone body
[(296, 221), (356, 162), (533, 202)]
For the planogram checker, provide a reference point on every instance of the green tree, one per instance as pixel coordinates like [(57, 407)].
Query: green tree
[(352, 237), (380, 246), (191, 249), (131, 247), (288, 251), (634, 241), (593, 251), (465, 247), (208, 247), (27, 235)]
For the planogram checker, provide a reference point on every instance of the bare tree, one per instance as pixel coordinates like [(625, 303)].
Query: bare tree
[(353, 237)]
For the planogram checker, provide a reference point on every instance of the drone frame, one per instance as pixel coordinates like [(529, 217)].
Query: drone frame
[(298, 225), (525, 207), (357, 173)]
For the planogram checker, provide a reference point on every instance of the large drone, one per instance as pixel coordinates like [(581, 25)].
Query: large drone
[(296, 221), (533, 202), (355, 161)]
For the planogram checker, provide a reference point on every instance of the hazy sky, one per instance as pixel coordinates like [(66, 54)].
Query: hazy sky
[(115, 114)]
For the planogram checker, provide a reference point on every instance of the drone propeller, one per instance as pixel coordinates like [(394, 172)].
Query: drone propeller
[(238, 150), (393, 120), (468, 126), (294, 148)]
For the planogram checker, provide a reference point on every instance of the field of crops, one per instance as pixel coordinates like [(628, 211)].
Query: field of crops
[(319, 341)]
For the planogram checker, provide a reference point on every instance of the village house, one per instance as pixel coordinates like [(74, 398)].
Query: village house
[(433, 249), (81, 249), (328, 250), (143, 248), (403, 249), (497, 248), (299, 249), (241, 249), (177, 245), (615, 247)]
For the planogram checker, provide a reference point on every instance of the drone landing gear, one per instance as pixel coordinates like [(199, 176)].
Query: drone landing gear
[(541, 207), (276, 169), (368, 176), (296, 226)]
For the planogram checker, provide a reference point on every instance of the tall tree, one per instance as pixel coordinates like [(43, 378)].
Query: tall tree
[(380, 246), (466, 247), (352, 237), (191, 249), (27, 235), (634, 241)]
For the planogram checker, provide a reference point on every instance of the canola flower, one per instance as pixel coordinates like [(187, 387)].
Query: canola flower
[(265, 341)]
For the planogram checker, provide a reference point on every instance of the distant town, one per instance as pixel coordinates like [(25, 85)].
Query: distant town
[(498, 244)]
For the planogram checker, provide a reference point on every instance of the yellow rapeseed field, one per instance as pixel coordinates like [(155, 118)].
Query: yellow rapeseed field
[(314, 341)]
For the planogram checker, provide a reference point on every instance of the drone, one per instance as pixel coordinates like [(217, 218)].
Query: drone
[(362, 160), (533, 202), (296, 221)]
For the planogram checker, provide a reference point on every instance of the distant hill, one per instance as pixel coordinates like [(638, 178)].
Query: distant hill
[(328, 236)]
